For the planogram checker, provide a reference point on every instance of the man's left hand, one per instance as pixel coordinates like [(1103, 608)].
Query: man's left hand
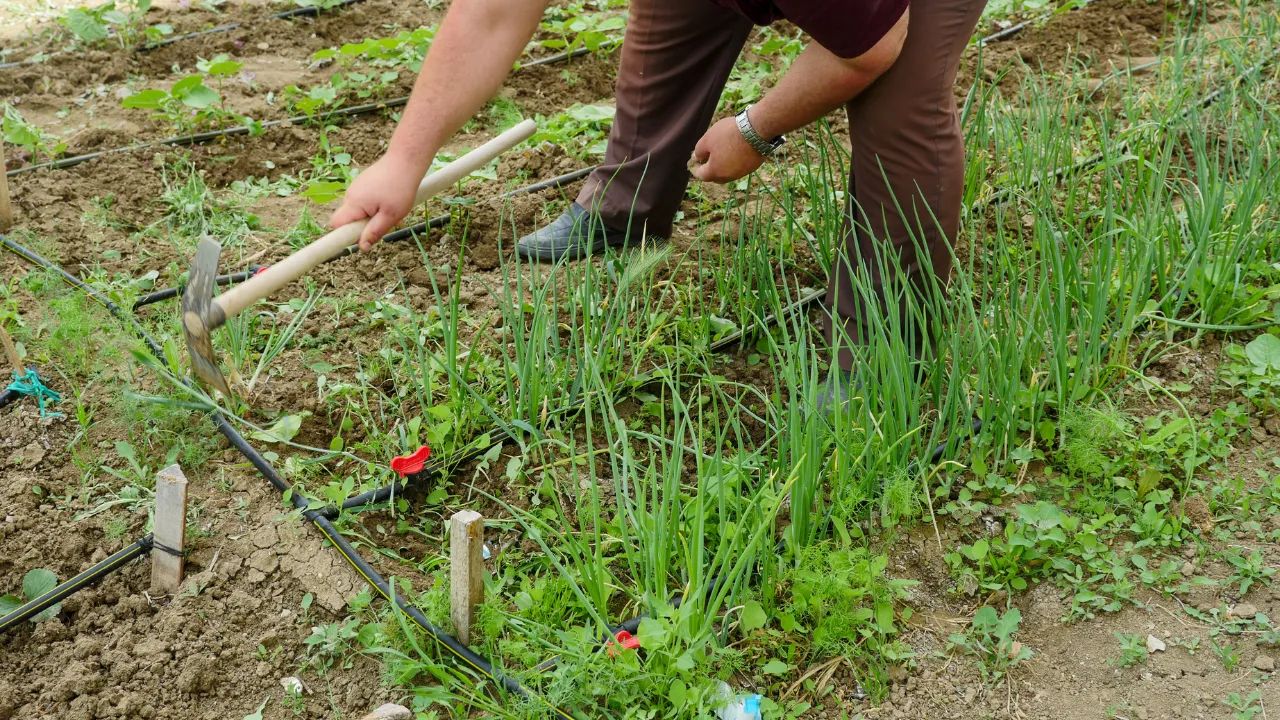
[(723, 155)]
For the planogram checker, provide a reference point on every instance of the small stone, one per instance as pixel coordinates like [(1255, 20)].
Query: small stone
[(264, 561), (390, 711), (1244, 611), (265, 537), (1265, 663), (29, 456), (150, 647), (970, 694), (1140, 713), (1188, 569), (1155, 644), (262, 45)]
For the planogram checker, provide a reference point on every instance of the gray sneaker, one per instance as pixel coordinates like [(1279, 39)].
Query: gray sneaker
[(575, 234)]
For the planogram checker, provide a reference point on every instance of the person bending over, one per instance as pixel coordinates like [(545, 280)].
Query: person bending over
[(892, 67)]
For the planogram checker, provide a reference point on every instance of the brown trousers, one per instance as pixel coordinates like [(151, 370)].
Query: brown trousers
[(907, 173)]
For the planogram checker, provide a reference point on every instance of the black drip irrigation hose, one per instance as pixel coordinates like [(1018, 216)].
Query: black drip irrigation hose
[(238, 130), (37, 605), (173, 292), (8, 396), (310, 11), (322, 523)]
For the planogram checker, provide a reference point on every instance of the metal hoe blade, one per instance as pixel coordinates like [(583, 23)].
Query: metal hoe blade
[(197, 301)]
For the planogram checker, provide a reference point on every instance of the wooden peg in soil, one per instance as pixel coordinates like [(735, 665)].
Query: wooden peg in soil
[(6, 210), (466, 570), (390, 711), (170, 532), (11, 351)]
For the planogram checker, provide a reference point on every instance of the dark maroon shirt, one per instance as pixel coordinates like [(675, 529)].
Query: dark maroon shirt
[(847, 28)]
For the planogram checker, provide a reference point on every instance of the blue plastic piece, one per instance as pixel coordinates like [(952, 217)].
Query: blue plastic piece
[(751, 706), (30, 384)]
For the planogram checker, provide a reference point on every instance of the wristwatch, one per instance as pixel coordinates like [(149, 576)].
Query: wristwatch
[(762, 146)]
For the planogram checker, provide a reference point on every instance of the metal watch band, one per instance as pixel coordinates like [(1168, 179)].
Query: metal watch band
[(762, 146)]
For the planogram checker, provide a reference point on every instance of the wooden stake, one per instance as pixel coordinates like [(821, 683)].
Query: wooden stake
[(6, 210), (466, 572), (170, 530), (11, 351)]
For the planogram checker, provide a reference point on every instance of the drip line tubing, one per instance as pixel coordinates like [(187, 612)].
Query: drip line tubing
[(238, 130), (8, 396), (85, 579), (344, 548)]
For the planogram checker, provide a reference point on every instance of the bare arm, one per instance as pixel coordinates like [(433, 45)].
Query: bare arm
[(471, 55), (817, 83), (820, 81)]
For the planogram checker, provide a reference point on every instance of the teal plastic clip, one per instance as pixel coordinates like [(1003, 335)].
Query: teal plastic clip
[(31, 385)]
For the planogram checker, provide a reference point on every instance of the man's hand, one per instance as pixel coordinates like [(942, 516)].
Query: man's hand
[(723, 155), (383, 193)]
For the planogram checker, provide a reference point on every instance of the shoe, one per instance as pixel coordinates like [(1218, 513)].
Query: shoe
[(837, 388), (575, 234)]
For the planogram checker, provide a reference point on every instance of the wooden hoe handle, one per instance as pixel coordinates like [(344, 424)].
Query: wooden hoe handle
[(303, 261)]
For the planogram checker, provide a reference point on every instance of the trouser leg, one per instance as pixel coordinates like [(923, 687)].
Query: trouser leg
[(906, 180), (676, 58)]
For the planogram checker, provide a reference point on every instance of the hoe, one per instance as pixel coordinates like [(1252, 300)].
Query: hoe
[(202, 313)]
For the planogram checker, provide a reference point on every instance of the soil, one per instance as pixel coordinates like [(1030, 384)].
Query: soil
[(220, 647)]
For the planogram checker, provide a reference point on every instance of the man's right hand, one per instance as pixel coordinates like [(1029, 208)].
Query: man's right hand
[(383, 193)]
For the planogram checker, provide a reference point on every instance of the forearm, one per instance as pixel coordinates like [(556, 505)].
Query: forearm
[(820, 81), (470, 57)]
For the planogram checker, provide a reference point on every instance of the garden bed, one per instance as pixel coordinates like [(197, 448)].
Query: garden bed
[(520, 377)]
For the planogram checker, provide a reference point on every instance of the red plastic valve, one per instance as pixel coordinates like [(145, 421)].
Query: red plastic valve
[(626, 640), (405, 465)]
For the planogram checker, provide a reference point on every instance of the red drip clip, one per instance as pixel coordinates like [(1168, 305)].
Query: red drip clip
[(405, 465), (261, 270), (626, 640)]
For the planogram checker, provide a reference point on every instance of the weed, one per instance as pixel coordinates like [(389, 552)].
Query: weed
[(190, 103), (331, 644), (1227, 654), (990, 639), (1244, 707), (572, 26), (35, 583), (581, 130), (1254, 370), (1247, 569), (319, 4), (1133, 650), (33, 141), (126, 20)]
